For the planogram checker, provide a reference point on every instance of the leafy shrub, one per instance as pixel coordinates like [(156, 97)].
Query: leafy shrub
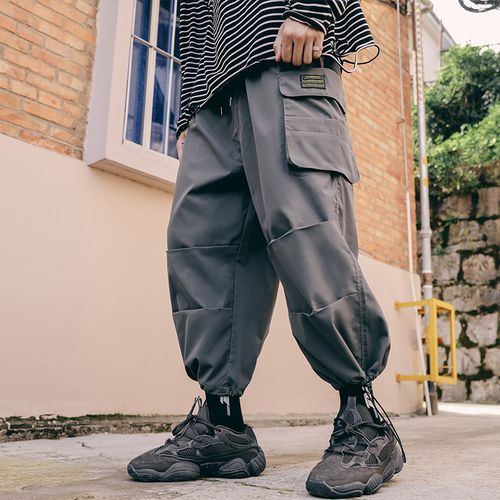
[(463, 120), (467, 85), (455, 165)]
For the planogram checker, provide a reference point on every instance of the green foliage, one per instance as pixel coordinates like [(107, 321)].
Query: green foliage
[(455, 165), (463, 120), (467, 85)]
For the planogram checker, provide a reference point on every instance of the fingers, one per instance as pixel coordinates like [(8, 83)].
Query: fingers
[(286, 48), (298, 50), (277, 45), (318, 42), (180, 143), (295, 43), (308, 51)]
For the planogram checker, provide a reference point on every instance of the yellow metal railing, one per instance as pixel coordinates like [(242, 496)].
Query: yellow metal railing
[(431, 341)]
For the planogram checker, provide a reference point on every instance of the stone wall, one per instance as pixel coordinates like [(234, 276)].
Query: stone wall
[(466, 239)]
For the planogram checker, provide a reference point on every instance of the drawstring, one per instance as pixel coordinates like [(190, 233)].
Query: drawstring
[(368, 389)]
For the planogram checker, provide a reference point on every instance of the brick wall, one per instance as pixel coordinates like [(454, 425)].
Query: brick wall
[(374, 113), (46, 55)]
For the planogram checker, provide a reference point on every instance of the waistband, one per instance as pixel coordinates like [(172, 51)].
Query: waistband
[(223, 93)]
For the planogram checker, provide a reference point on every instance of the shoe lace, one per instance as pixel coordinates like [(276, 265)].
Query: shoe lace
[(383, 415), (180, 429), (340, 439), (344, 430)]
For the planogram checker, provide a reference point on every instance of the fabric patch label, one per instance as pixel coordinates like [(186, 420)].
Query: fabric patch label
[(312, 81)]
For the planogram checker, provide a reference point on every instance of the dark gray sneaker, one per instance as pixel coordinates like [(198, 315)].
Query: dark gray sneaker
[(361, 457), (200, 448)]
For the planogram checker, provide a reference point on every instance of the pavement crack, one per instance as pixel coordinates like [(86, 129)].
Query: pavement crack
[(281, 491)]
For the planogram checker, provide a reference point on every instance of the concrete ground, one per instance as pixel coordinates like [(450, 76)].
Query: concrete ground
[(453, 455)]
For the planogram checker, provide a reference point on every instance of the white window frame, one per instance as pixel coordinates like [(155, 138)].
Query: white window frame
[(105, 145)]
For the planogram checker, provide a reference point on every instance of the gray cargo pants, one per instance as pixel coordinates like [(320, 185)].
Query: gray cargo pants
[(265, 193)]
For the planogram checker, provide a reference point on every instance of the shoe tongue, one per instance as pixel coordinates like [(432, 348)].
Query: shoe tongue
[(355, 412), (198, 428)]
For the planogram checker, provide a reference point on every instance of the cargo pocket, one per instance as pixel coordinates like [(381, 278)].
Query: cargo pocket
[(316, 132)]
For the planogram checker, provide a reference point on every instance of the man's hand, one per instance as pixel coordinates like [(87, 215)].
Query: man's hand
[(180, 143), (298, 43)]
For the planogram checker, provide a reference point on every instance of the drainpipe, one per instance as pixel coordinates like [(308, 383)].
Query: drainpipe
[(409, 226), (425, 231)]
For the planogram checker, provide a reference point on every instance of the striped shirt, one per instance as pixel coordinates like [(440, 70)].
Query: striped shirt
[(220, 38)]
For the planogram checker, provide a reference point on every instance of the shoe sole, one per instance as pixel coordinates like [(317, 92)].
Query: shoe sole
[(356, 489), (189, 471)]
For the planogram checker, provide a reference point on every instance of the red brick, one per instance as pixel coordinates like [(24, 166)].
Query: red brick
[(8, 99), (57, 33), (12, 40), (48, 113), (85, 34), (71, 81), (20, 118), (67, 136), (51, 86), (49, 99), (76, 111), (36, 8), (7, 23), (86, 8), (58, 47), (56, 61), (29, 62), (65, 9), (11, 70), (8, 129), (23, 89), (30, 35), (44, 142)]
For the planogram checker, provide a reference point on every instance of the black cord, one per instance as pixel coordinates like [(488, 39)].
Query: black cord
[(478, 6)]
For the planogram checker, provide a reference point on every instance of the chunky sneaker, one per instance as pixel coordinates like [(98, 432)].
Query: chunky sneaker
[(200, 448), (363, 454)]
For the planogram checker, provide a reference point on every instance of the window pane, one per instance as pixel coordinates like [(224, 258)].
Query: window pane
[(174, 110), (165, 25), (137, 92), (160, 103), (142, 18)]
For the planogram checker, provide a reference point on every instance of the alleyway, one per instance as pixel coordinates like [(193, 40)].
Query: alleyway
[(454, 455)]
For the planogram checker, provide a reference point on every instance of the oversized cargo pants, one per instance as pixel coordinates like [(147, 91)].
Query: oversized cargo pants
[(265, 193)]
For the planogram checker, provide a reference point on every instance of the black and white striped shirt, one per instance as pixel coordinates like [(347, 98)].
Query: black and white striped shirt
[(220, 38)]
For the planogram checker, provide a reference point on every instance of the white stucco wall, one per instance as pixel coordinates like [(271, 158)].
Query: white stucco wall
[(85, 321)]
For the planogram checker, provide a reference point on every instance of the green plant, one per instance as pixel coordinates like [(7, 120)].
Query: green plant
[(467, 85), (455, 164), (463, 120)]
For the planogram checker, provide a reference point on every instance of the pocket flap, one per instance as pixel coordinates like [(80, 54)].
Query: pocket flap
[(321, 151), (312, 82)]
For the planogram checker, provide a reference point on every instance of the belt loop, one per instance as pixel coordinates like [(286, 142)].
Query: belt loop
[(321, 61)]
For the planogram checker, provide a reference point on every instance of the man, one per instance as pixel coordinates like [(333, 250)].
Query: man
[(265, 193)]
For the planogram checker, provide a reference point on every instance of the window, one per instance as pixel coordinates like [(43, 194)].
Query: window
[(135, 93), (154, 77)]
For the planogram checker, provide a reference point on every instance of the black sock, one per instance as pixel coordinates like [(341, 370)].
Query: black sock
[(226, 411), (357, 390)]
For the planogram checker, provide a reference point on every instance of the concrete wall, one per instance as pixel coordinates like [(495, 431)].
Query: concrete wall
[(84, 311)]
